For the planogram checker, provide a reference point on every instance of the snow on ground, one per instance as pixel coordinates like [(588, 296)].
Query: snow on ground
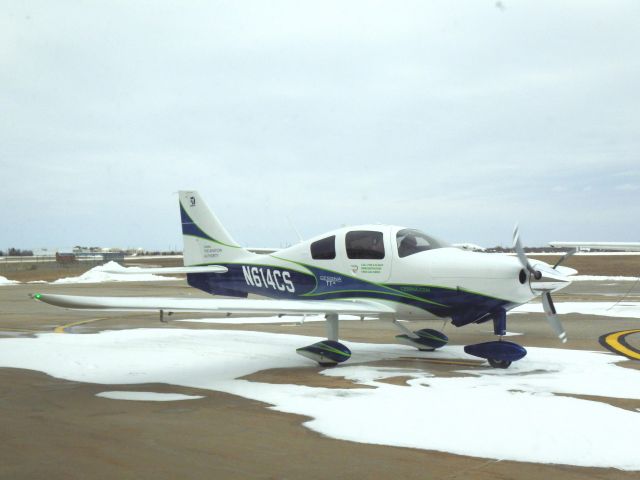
[(507, 334), (604, 309), (147, 396), (581, 254), (513, 414), (5, 281), (98, 275), (602, 278), (148, 257)]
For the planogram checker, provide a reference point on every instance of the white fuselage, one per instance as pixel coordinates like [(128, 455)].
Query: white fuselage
[(443, 269)]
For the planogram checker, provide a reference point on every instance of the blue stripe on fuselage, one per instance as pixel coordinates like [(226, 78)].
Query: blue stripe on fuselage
[(240, 280), (277, 282)]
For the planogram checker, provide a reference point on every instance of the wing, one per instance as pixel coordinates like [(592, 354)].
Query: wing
[(469, 246), (241, 306), (621, 246)]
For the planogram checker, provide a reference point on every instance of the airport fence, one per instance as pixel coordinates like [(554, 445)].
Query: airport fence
[(23, 263)]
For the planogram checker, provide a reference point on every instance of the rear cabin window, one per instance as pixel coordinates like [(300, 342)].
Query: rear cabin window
[(365, 245), (324, 249)]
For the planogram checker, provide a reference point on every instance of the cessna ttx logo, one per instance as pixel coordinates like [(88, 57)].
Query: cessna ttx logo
[(272, 278), (330, 280)]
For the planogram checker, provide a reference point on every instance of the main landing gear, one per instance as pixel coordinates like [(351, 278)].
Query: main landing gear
[(425, 340), (499, 353), (330, 352)]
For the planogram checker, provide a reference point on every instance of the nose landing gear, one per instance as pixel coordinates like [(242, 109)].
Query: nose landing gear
[(499, 353), (499, 363), (425, 340)]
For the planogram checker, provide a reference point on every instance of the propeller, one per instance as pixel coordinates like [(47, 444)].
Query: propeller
[(570, 253), (550, 273), (517, 245), (552, 317)]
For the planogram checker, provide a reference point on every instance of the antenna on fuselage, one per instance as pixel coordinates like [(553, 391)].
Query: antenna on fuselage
[(300, 239)]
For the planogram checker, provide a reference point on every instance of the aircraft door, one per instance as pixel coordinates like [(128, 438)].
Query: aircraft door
[(367, 253)]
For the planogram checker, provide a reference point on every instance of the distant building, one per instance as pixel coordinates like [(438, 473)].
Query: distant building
[(113, 256), (65, 257), (44, 252)]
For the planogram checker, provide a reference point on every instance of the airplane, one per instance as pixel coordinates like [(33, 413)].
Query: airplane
[(385, 272)]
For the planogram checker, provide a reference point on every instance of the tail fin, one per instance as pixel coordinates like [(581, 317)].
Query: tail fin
[(206, 241)]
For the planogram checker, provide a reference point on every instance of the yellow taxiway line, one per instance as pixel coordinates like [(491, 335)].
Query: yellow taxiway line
[(616, 342), (64, 328)]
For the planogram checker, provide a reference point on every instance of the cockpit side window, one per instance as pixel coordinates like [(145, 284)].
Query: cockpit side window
[(413, 241), (365, 245), (324, 249)]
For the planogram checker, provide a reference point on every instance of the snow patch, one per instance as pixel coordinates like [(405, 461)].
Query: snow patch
[(603, 309), (98, 275), (550, 428), (147, 396), (601, 278), (371, 375), (5, 281), (507, 334), (581, 254)]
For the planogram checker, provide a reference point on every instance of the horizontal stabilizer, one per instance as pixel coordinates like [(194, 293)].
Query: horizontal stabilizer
[(224, 306), (170, 270), (262, 250)]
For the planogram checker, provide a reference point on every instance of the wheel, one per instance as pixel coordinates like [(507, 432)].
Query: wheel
[(327, 364), (327, 353), (499, 363)]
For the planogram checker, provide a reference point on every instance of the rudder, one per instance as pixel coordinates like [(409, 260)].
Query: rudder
[(206, 241)]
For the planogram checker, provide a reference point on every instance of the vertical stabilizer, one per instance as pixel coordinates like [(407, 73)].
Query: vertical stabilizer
[(206, 241)]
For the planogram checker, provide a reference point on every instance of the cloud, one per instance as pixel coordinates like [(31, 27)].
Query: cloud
[(458, 118), (628, 187)]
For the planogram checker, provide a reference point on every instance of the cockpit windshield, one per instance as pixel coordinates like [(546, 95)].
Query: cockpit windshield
[(411, 241)]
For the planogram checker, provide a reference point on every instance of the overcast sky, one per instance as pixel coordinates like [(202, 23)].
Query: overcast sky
[(458, 118)]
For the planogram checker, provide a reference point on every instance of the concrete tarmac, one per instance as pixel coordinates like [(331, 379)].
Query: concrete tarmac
[(54, 428)]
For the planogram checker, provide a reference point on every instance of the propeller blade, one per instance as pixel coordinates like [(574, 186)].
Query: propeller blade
[(524, 261), (565, 256), (552, 317)]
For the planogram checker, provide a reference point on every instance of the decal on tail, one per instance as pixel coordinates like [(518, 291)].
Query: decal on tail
[(206, 241)]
